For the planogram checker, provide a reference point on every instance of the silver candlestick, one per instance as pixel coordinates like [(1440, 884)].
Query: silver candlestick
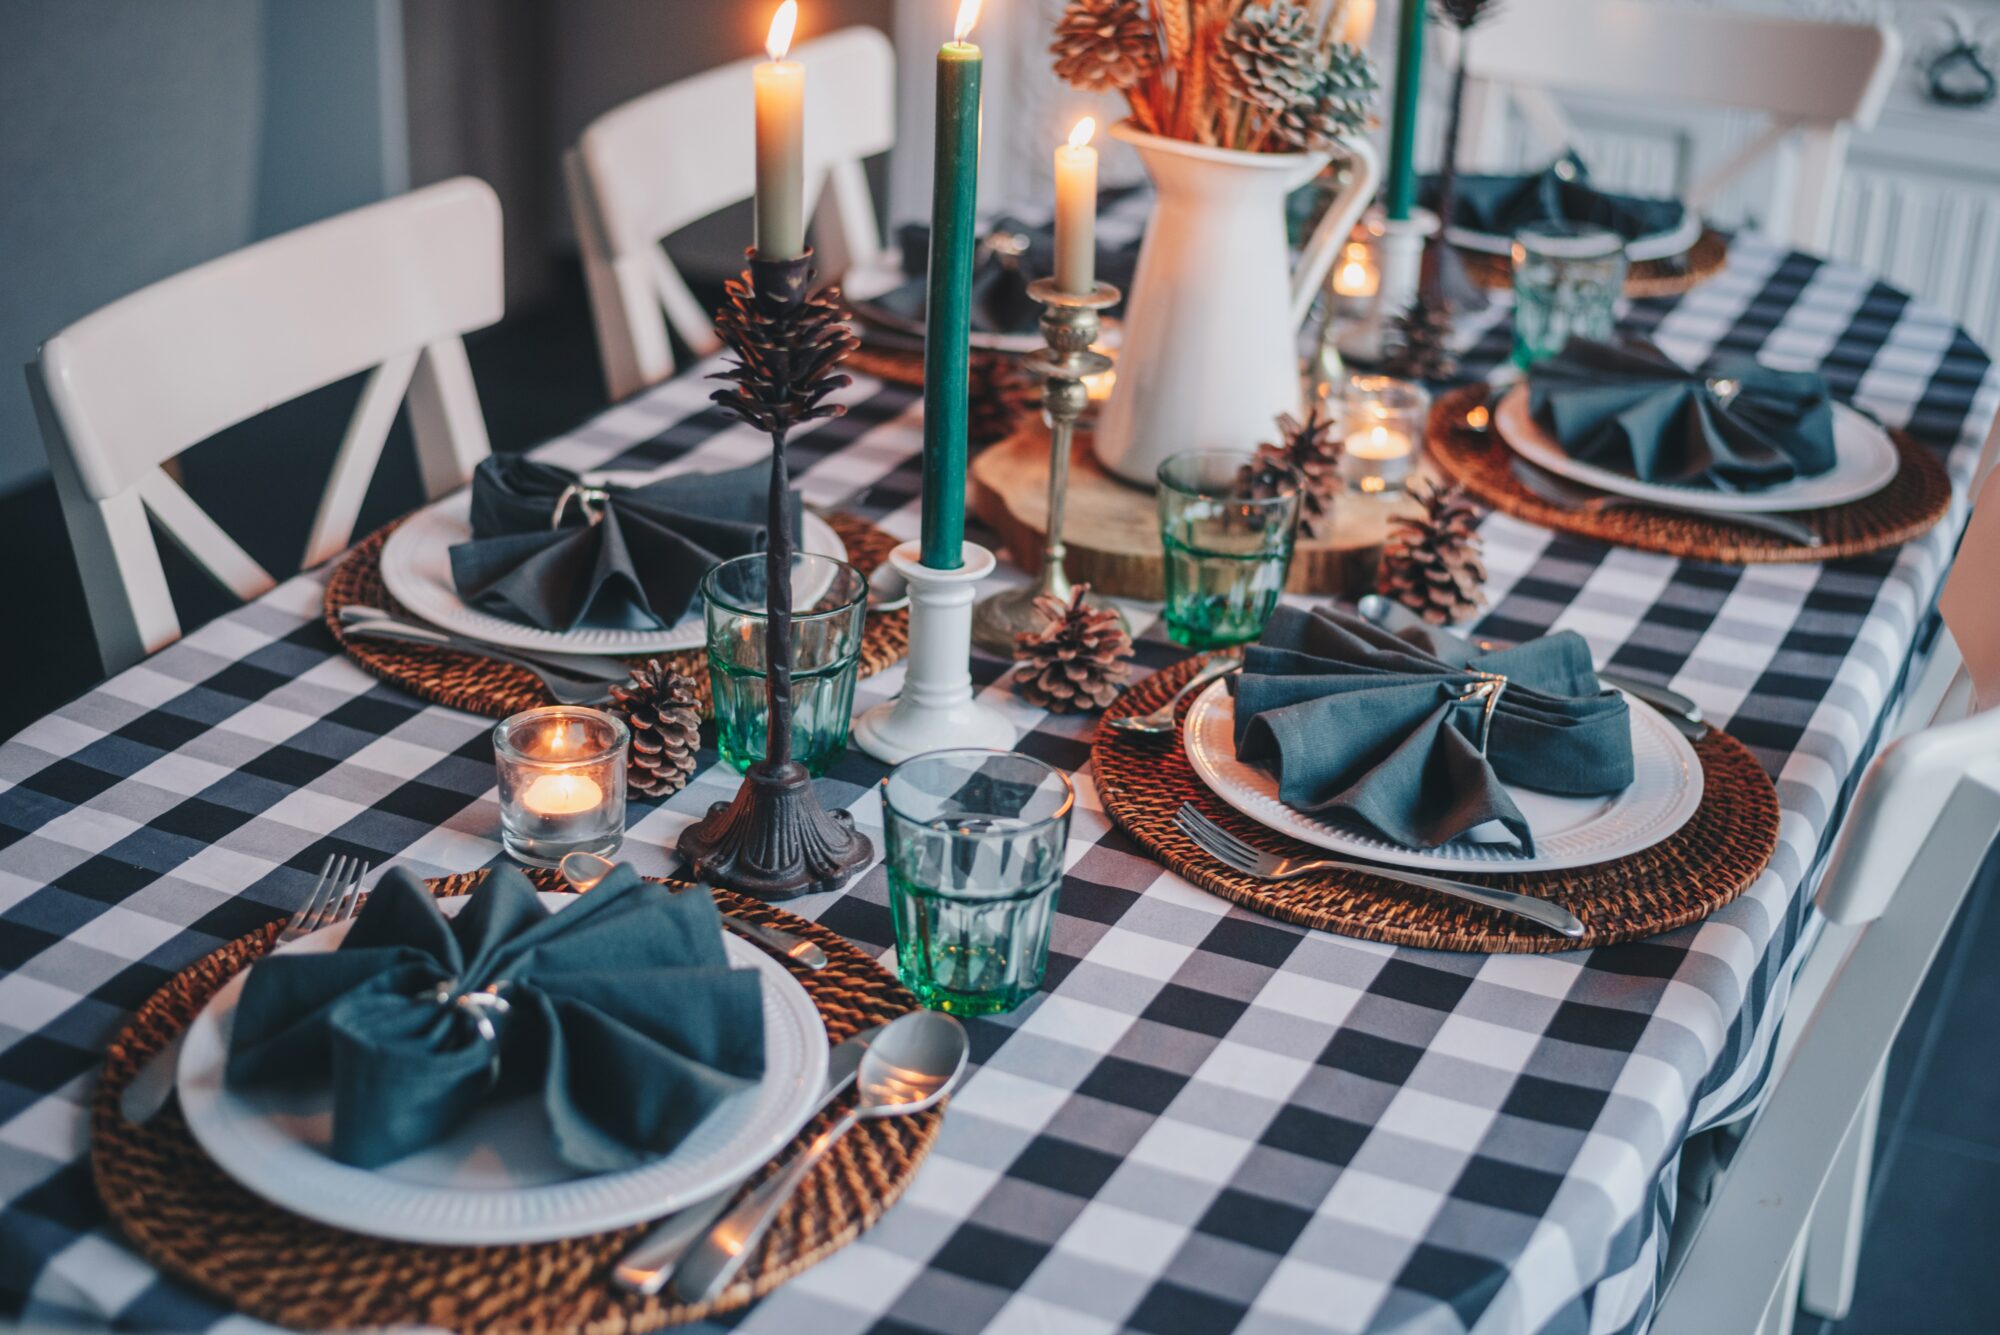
[(1070, 325)]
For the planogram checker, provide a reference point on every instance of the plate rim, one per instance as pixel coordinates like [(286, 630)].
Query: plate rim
[(556, 1219), (1659, 245), (1518, 429), (1310, 830), (817, 537)]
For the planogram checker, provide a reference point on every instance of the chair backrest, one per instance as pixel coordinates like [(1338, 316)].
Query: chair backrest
[(648, 168), (1813, 79), (386, 289)]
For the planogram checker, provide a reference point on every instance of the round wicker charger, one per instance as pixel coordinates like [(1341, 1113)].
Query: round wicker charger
[(191, 1220), (1647, 278), (1682, 879), (1917, 498), (484, 686)]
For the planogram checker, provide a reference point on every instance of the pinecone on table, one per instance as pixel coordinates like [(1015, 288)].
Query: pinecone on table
[(1077, 661), (1431, 562), (1267, 56), (661, 709), (1308, 451), (1001, 393), (1105, 45), (1422, 349)]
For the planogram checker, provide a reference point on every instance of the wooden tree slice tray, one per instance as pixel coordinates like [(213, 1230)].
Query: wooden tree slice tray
[(1112, 528), (194, 1222)]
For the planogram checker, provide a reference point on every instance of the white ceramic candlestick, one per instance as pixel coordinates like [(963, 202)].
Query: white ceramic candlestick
[(936, 708)]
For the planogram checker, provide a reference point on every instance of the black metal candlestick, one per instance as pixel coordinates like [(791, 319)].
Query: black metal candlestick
[(774, 839)]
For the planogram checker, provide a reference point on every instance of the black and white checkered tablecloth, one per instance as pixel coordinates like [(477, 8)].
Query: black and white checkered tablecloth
[(1208, 1120)]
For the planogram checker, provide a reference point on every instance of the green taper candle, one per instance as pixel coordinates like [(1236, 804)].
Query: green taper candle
[(948, 308), (1399, 196)]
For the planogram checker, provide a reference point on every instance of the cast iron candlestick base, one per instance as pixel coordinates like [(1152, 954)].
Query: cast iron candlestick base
[(1070, 325), (774, 839)]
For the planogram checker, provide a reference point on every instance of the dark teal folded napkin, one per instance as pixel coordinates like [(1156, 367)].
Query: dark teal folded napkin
[(1503, 205), (621, 1013), (1732, 425), (1383, 728), (622, 558)]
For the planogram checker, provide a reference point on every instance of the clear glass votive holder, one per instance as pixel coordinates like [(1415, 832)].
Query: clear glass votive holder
[(1227, 550), (974, 847), (562, 783), (830, 603), (1567, 281), (1383, 421)]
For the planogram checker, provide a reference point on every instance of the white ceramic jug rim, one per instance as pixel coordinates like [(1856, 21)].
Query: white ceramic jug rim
[(1130, 133)]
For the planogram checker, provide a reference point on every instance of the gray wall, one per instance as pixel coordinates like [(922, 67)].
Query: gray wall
[(139, 137)]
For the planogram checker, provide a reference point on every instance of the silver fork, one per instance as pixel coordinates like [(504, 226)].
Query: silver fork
[(1267, 866), (336, 897), (1588, 500)]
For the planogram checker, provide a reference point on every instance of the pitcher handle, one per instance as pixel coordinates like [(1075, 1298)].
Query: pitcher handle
[(1331, 234)]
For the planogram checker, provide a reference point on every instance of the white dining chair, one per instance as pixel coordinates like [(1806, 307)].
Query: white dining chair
[(646, 169), (386, 289), (1783, 1226), (1815, 80)]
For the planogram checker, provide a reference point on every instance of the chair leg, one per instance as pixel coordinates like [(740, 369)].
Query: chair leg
[(1833, 1232)]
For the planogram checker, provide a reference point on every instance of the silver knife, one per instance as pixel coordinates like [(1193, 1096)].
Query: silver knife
[(358, 618), (648, 1266)]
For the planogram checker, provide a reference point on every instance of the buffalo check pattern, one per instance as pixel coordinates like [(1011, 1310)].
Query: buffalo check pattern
[(1208, 1121)]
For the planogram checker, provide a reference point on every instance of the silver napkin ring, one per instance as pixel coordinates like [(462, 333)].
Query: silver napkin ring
[(482, 1007), (1487, 688), (1725, 389), (589, 499)]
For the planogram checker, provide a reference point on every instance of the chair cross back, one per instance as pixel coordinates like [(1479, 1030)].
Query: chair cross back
[(387, 289)]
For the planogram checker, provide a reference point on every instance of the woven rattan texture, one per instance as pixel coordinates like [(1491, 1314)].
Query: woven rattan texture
[(484, 686), (1647, 278), (191, 1220), (1917, 498), (1695, 871)]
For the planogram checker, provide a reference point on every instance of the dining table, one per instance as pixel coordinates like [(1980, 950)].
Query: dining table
[(1207, 1120)]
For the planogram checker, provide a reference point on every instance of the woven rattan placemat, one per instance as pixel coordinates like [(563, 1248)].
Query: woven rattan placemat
[(1918, 496), (1684, 878), (191, 1220), (1647, 278), (483, 686)]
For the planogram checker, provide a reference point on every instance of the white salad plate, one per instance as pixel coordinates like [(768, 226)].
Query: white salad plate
[(1865, 461), (416, 570), (496, 1178), (1569, 831), (1653, 246)]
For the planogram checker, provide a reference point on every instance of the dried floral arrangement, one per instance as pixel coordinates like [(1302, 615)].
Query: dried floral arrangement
[(1268, 76)]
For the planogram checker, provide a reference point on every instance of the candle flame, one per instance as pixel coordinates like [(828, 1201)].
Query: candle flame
[(1477, 417), (968, 14), (782, 23), (1085, 128)]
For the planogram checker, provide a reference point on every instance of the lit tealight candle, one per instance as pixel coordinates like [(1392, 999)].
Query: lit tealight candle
[(1378, 442), (562, 795), (1356, 276), (1385, 421), (1076, 210)]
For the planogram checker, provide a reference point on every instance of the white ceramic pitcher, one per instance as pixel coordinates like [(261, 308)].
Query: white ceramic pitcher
[(1210, 351)]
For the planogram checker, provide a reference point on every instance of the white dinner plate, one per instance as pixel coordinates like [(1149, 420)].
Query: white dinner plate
[(416, 570), (1865, 461), (1653, 246), (1569, 831), (496, 1178)]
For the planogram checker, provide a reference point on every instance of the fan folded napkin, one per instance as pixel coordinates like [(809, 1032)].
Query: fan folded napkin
[(621, 1013), (1001, 273), (1415, 736), (1561, 192), (1733, 425), (554, 553)]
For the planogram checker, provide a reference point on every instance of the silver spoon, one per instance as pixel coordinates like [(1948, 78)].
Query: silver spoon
[(585, 870), (1161, 720), (908, 1067)]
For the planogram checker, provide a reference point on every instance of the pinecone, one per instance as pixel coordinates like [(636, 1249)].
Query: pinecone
[(1076, 662), (1105, 45), (1339, 103), (1431, 562), (1423, 342), (1001, 393), (788, 351), (1266, 56), (1310, 452), (664, 715)]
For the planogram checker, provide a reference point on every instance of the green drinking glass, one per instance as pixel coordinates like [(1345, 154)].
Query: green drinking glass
[(1567, 281), (974, 843), (1228, 548), (830, 601)]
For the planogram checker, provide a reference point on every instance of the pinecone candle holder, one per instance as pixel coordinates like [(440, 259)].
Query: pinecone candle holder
[(1078, 661), (663, 713), (775, 840), (1431, 562)]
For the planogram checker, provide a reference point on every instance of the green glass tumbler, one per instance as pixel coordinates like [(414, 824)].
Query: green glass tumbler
[(974, 843), (830, 602), (1567, 281), (1228, 546)]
